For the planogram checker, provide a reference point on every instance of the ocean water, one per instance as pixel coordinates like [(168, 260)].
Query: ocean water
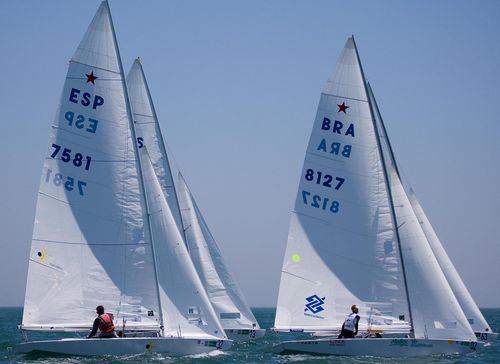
[(259, 351)]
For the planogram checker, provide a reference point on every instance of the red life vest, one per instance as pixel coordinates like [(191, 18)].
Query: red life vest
[(106, 323)]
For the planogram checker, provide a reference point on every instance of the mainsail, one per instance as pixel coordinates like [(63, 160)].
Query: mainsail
[(90, 245), (187, 311), (436, 311), (224, 293), (471, 310), (469, 307), (149, 133), (342, 247)]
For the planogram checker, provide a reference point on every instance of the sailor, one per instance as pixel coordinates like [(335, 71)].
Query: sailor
[(103, 322), (350, 325)]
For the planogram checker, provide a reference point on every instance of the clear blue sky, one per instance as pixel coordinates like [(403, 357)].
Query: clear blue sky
[(236, 86)]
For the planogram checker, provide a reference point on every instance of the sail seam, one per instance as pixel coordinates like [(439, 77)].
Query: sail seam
[(344, 97), (354, 232), (146, 116), (96, 67), (86, 243)]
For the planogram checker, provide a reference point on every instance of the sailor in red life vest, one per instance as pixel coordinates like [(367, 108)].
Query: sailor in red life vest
[(103, 322), (350, 325)]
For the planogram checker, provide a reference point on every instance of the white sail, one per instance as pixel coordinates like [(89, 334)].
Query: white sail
[(471, 311), (187, 311), (435, 310), (341, 247), (149, 133), (224, 293), (89, 244)]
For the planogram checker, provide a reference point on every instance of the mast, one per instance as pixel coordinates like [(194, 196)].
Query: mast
[(139, 169), (393, 213)]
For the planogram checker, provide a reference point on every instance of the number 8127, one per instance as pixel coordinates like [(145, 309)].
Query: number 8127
[(320, 202)]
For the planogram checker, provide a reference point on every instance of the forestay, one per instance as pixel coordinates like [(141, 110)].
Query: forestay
[(224, 293), (435, 310), (89, 244), (187, 311), (342, 247)]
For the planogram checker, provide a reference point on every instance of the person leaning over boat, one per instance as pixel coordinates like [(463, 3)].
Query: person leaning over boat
[(350, 325), (103, 322)]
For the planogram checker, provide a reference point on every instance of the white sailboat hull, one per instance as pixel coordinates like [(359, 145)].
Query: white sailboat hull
[(383, 347), (239, 335), (125, 346)]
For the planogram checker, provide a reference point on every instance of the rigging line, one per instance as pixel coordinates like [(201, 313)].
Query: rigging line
[(299, 277)]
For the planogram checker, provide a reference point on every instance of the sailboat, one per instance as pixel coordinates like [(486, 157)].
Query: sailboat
[(225, 296), (103, 232), (474, 316), (354, 239), (234, 312)]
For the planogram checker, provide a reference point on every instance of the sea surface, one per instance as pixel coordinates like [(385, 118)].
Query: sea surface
[(255, 352)]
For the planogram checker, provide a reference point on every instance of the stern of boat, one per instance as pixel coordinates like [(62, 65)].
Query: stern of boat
[(241, 335)]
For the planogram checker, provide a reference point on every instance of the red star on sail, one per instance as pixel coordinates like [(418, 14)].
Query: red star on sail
[(91, 77), (342, 107)]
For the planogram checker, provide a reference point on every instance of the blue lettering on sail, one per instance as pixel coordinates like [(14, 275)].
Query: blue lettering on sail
[(323, 179), (335, 148), (326, 124), (86, 98), (140, 142), (320, 202), (81, 122), (66, 181), (337, 127)]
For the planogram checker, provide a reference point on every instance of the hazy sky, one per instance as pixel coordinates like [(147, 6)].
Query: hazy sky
[(236, 85)]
